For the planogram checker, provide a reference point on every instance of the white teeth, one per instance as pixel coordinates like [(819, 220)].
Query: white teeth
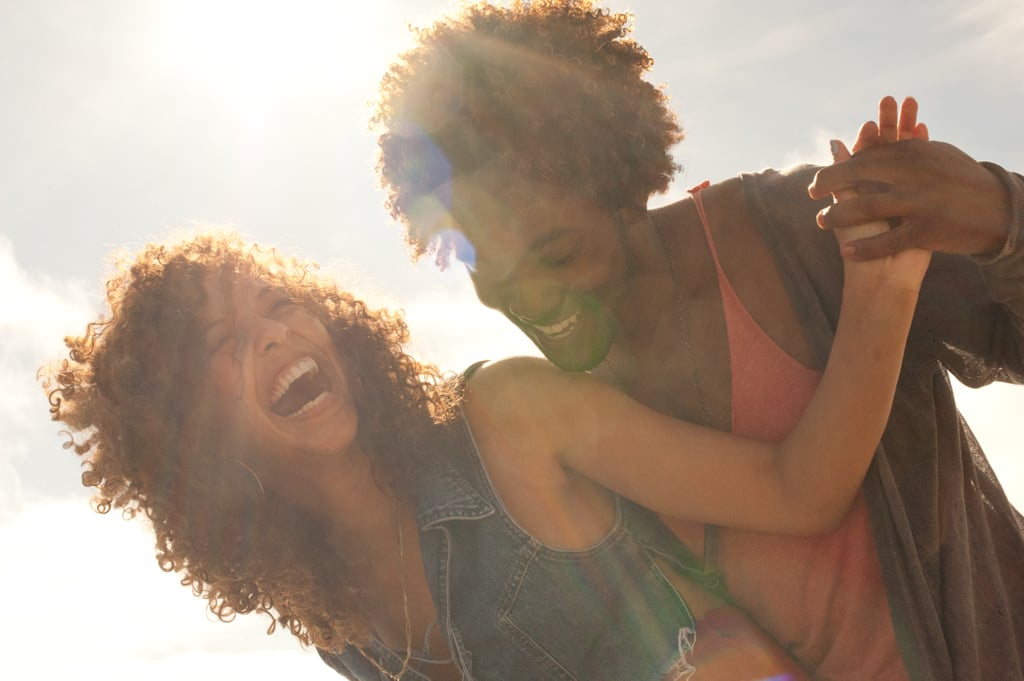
[(560, 329), (290, 375), (309, 405)]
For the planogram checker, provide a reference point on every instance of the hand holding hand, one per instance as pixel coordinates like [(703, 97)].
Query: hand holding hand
[(935, 196), (904, 269)]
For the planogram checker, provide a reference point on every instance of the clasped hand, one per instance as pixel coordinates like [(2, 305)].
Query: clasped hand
[(933, 195), (905, 267)]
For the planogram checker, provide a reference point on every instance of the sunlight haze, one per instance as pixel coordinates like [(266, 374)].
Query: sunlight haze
[(126, 119)]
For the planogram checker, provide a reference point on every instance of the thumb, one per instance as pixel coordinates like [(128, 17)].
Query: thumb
[(839, 154)]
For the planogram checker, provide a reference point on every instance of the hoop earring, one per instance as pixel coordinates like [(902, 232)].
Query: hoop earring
[(259, 483)]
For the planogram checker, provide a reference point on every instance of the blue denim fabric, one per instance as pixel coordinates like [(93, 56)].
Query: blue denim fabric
[(514, 608)]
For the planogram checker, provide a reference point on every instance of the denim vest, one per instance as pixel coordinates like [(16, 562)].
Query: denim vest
[(514, 608)]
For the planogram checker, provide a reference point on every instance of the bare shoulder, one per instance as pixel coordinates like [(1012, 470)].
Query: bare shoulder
[(506, 407), (517, 374), (504, 369), (516, 378), (517, 410), (526, 395)]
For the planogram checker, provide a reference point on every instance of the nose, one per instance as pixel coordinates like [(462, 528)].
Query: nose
[(487, 292), (534, 302), (268, 334), (524, 295)]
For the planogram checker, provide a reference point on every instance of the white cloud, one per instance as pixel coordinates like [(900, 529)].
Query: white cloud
[(996, 32), (35, 313), (86, 600), (816, 150), (452, 333)]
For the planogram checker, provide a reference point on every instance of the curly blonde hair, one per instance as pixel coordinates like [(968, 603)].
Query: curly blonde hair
[(129, 392), (550, 90)]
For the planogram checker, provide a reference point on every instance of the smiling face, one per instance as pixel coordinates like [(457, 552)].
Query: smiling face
[(273, 373), (553, 263)]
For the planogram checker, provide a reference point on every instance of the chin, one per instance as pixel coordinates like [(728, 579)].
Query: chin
[(573, 358), (583, 350)]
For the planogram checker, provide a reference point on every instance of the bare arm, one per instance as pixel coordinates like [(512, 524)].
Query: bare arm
[(803, 485)]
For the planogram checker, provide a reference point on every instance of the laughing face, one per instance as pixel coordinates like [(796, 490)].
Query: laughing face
[(274, 374), (553, 264)]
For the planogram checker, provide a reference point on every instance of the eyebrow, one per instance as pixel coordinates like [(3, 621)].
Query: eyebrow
[(540, 242), (205, 333)]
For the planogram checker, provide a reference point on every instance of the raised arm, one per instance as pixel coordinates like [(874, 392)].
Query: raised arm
[(971, 310), (803, 485)]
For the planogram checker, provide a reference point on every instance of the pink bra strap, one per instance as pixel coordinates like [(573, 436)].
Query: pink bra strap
[(698, 202)]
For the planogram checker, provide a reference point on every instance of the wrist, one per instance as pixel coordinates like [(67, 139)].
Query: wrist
[(1008, 214), (903, 271)]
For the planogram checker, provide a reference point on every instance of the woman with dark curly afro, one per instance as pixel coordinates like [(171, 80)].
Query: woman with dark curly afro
[(525, 141), (295, 461)]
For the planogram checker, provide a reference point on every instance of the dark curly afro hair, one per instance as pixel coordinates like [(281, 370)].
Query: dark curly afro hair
[(551, 91), (130, 395)]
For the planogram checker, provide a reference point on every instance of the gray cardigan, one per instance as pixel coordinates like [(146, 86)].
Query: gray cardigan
[(950, 544)]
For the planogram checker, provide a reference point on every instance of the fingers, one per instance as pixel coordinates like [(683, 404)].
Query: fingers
[(839, 154), (907, 125), (854, 209), (867, 137), (882, 245), (871, 169), (839, 151), (897, 123), (888, 120), (894, 123), (836, 178)]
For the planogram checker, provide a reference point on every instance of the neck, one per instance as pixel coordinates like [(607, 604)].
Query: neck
[(651, 289), (344, 493)]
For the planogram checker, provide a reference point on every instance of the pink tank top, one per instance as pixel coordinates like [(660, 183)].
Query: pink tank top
[(821, 597)]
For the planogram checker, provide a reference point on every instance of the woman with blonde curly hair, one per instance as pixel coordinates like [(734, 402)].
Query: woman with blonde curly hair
[(295, 461)]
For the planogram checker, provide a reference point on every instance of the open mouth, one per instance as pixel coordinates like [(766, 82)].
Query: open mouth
[(299, 388)]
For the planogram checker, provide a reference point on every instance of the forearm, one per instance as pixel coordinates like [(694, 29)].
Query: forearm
[(823, 461)]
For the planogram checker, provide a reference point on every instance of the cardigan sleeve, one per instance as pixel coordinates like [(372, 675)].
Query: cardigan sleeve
[(972, 308), (970, 314)]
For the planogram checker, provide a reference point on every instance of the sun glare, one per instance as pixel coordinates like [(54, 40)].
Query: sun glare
[(260, 50), (255, 46)]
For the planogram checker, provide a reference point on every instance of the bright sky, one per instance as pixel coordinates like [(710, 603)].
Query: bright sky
[(126, 118)]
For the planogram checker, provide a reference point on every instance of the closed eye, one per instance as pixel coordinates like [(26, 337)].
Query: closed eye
[(284, 302), (280, 301), (215, 335), (219, 343), (560, 258)]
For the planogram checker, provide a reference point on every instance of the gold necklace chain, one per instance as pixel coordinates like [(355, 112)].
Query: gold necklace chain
[(405, 611), (711, 577), (684, 325)]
